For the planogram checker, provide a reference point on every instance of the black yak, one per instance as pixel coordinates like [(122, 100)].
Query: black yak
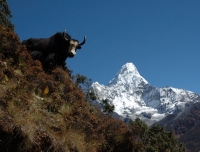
[(53, 51)]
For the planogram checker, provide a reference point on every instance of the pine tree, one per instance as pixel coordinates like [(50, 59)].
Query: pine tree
[(5, 15), (139, 131), (107, 107), (85, 83), (154, 139)]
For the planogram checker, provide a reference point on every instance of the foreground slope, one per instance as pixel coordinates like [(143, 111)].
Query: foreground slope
[(134, 97), (46, 112)]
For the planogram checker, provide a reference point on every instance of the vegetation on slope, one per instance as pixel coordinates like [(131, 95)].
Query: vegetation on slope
[(5, 15), (40, 111), (186, 126)]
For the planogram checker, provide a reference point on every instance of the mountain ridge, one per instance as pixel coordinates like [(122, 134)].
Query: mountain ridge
[(134, 97)]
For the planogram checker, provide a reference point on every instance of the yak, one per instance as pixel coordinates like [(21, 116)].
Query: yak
[(53, 51)]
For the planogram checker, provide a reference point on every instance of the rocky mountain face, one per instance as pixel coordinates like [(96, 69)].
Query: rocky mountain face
[(134, 97)]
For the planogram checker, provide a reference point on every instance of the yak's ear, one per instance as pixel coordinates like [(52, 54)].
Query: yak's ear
[(78, 47)]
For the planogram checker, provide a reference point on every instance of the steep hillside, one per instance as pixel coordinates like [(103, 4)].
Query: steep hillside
[(46, 112), (186, 126)]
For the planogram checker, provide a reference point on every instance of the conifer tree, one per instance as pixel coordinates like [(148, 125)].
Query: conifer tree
[(107, 107), (85, 83), (154, 139), (5, 15)]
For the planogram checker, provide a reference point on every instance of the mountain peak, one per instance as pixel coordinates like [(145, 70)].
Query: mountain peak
[(133, 97), (128, 74), (129, 68)]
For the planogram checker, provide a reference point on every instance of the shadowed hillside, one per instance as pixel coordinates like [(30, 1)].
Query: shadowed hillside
[(186, 126), (47, 112)]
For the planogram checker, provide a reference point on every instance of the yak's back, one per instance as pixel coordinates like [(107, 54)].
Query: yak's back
[(39, 44)]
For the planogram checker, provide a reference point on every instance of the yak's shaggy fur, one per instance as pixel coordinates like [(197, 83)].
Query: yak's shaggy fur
[(53, 51)]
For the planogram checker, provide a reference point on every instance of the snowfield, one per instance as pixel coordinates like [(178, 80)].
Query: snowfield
[(134, 97)]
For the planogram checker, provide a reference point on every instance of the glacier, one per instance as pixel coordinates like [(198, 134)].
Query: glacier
[(134, 97)]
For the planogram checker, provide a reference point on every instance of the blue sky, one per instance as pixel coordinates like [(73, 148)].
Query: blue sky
[(160, 37)]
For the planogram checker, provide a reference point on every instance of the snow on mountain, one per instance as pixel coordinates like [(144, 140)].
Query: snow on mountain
[(134, 97)]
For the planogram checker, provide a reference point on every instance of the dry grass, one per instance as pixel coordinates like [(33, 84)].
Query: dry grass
[(39, 111)]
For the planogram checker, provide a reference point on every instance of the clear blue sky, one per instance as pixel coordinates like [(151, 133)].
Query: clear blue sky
[(162, 38)]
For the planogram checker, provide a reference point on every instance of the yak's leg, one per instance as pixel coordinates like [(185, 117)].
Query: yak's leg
[(50, 62)]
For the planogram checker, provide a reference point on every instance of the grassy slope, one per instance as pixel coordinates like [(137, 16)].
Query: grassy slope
[(40, 111)]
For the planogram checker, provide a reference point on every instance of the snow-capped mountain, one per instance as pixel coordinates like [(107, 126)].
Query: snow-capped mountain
[(134, 97)]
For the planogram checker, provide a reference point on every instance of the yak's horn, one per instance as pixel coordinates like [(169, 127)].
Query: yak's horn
[(64, 35), (83, 41)]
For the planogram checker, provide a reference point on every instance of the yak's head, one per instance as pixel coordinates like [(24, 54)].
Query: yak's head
[(73, 44)]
